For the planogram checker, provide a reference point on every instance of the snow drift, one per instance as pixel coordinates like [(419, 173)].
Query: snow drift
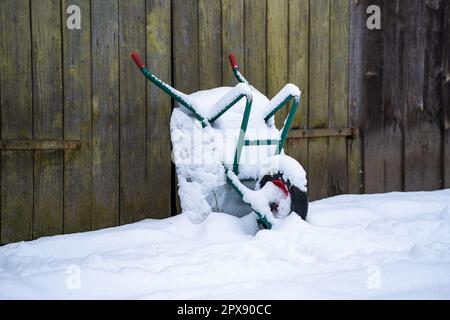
[(394, 245)]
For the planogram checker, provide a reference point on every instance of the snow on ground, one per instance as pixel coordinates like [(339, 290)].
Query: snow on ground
[(388, 246)]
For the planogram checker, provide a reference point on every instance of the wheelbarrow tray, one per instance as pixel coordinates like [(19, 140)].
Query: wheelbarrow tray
[(202, 154)]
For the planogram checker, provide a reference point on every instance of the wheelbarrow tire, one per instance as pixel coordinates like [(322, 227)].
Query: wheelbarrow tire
[(299, 198)]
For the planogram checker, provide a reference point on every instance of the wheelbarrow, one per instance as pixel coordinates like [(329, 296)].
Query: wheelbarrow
[(228, 153)]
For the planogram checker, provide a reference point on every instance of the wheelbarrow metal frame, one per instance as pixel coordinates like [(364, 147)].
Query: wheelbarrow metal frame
[(231, 174)]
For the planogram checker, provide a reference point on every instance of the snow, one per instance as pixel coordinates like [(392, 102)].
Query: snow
[(289, 168), (289, 90), (390, 246), (201, 153)]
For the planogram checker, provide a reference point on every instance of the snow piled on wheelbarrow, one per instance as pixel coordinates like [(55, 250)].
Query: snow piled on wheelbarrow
[(391, 246), (200, 153)]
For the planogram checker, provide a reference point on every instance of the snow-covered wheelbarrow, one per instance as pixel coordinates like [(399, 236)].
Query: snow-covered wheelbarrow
[(228, 153)]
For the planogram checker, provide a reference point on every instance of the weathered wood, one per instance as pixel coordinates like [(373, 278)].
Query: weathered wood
[(185, 45), (13, 144), (159, 59), (414, 68), (210, 44), (277, 51), (48, 116), (185, 52), (134, 204), (398, 84), (318, 98), (373, 103), (446, 94), (298, 73), (393, 94), (77, 121), (338, 99), (432, 110), (255, 43), (326, 132), (356, 105), (16, 198), (232, 38), (105, 114)]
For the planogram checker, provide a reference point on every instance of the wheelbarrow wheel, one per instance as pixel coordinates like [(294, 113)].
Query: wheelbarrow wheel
[(299, 198)]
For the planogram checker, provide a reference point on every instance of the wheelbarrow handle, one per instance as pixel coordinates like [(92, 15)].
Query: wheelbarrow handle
[(235, 67), (137, 59), (233, 61), (180, 97)]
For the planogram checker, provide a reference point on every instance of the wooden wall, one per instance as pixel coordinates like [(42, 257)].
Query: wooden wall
[(63, 84), (60, 84), (399, 85)]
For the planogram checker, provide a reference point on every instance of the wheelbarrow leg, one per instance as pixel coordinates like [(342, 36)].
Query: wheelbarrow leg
[(225, 103), (281, 99), (243, 191)]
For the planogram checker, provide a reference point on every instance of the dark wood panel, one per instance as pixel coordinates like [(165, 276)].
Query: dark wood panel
[(277, 52), (185, 54), (255, 12), (338, 102), (159, 61), (319, 50), (232, 38), (16, 120), (414, 68), (298, 73), (134, 200), (47, 116), (185, 45), (373, 101), (77, 121), (432, 111), (210, 43), (446, 95), (356, 99), (393, 95), (105, 113)]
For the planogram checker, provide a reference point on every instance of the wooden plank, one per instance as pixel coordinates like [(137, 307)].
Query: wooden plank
[(277, 51), (105, 114), (373, 102), (185, 45), (327, 132), (185, 53), (414, 68), (232, 38), (446, 95), (298, 73), (159, 59), (12, 144), (16, 208), (338, 99), (432, 111), (393, 94), (318, 98), (77, 121), (210, 44), (255, 12), (134, 201), (356, 105), (48, 116)]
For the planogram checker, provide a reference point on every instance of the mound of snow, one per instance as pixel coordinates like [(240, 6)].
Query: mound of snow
[(394, 245)]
